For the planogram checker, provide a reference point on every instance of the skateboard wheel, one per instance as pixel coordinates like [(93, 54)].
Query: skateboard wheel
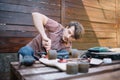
[(52, 54), (83, 67), (72, 68), (74, 53)]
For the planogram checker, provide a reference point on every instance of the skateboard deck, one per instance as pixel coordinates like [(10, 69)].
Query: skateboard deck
[(62, 66), (54, 63)]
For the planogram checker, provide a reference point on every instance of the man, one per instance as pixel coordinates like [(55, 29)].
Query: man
[(53, 36)]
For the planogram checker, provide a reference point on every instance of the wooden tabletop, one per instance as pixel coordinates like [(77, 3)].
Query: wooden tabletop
[(41, 72)]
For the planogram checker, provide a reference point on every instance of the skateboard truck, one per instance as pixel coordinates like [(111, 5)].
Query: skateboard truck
[(62, 60), (41, 54), (44, 56)]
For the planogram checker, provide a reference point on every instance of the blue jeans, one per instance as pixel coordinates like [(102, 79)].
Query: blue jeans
[(28, 51), (26, 54), (62, 54)]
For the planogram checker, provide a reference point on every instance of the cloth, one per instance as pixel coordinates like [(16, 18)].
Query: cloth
[(54, 31), (99, 49)]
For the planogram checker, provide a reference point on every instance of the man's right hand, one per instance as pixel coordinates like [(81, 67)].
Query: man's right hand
[(46, 42)]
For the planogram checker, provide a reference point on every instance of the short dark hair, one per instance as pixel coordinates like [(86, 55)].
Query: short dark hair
[(79, 29)]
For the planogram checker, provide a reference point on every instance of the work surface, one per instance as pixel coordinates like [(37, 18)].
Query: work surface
[(41, 72)]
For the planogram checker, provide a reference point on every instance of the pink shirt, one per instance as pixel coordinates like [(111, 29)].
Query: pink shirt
[(54, 31)]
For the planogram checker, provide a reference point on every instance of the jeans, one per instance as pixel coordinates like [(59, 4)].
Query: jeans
[(26, 54), (28, 51), (62, 54)]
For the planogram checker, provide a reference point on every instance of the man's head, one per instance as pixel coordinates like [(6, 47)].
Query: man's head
[(74, 30)]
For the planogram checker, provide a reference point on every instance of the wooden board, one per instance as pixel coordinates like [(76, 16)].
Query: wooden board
[(41, 72), (8, 45)]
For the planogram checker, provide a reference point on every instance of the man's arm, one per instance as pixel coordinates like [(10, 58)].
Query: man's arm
[(39, 21)]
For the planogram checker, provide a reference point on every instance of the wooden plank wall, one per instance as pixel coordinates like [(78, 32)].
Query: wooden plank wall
[(97, 16), (16, 25), (99, 19), (118, 20)]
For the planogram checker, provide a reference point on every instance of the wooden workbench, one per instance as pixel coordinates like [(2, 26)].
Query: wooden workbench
[(41, 72)]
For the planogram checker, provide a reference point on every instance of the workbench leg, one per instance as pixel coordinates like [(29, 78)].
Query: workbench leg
[(12, 74)]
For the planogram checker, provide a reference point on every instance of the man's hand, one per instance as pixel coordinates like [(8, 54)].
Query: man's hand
[(46, 43)]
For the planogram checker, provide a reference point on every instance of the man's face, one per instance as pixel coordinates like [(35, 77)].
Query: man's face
[(68, 34)]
